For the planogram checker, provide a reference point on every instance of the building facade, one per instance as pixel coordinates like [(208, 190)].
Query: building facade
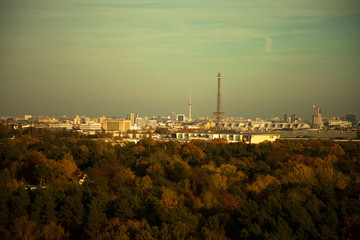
[(116, 125), (252, 138), (132, 117), (316, 118), (339, 123)]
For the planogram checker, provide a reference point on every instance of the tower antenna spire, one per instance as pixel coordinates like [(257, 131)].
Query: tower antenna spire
[(218, 114), (190, 106)]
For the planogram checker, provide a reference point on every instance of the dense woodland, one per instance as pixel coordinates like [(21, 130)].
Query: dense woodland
[(169, 190)]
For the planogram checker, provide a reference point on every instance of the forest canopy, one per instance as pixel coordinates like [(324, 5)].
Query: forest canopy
[(64, 185)]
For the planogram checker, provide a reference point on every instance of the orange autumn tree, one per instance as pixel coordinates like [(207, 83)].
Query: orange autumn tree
[(169, 198)]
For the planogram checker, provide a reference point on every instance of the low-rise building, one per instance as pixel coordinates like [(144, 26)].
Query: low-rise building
[(67, 126), (116, 125), (339, 123), (90, 127), (253, 138), (262, 126), (27, 117)]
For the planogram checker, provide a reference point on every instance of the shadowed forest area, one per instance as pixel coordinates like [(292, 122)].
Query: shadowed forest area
[(169, 190)]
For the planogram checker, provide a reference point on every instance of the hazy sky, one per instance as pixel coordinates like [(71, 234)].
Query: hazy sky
[(115, 57)]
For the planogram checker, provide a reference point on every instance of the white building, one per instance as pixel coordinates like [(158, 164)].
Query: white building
[(262, 126), (67, 126), (90, 127), (27, 117), (230, 137), (77, 119)]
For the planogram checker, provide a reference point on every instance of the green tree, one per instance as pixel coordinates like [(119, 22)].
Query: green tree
[(24, 229), (52, 231), (126, 205), (18, 203), (71, 212), (114, 230), (96, 217), (43, 206)]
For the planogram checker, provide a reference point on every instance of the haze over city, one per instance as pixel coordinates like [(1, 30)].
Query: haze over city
[(116, 57)]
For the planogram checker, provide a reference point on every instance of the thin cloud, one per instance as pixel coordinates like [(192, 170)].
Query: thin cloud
[(268, 45)]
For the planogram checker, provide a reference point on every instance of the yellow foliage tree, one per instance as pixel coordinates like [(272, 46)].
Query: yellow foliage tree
[(209, 200), (191, 149), (217, 182), (60, 172), (231, 202), (227, 170), (143, 184), (297, 173), (155, 171), (197, 203), (336, 150), (52, 231), (261, 182), (24, 228), (169, 198), (210, 167), (114, 230)]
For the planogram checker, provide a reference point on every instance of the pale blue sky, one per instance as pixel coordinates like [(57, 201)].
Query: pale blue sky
[(116, 57)]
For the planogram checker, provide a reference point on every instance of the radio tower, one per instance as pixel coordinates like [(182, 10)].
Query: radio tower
[(190, 106), (218, 112)]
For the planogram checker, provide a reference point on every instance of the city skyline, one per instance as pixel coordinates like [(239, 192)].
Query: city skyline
[(116, 57), (289, 118)]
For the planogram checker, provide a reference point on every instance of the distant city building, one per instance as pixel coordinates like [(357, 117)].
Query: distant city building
[(101, 119), (67, 126), (85, 119), (152, 123), (27, 117), (263, 126), (162, 119), (47, 119), (325, 120), (139, 121), (180, 117), (316, 118), (173, 116), (293, 118), (339, 123), (275, 119), (351, 118), (170, 123), (116, 125), (209, 125), (252, 138), (77, 119), (132, 117), (90, 127)]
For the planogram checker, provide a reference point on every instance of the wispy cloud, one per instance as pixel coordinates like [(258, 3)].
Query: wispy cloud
[(268, 44)]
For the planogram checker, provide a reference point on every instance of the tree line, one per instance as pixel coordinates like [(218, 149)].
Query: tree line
[(171, 190)]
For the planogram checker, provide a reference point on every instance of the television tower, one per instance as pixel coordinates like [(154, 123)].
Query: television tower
[(190, 106), (218, 112)]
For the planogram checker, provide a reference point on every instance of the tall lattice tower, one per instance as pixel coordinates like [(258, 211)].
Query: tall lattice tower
[(218, 112)]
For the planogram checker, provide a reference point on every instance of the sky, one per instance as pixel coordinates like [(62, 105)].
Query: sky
[(107, 57)]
